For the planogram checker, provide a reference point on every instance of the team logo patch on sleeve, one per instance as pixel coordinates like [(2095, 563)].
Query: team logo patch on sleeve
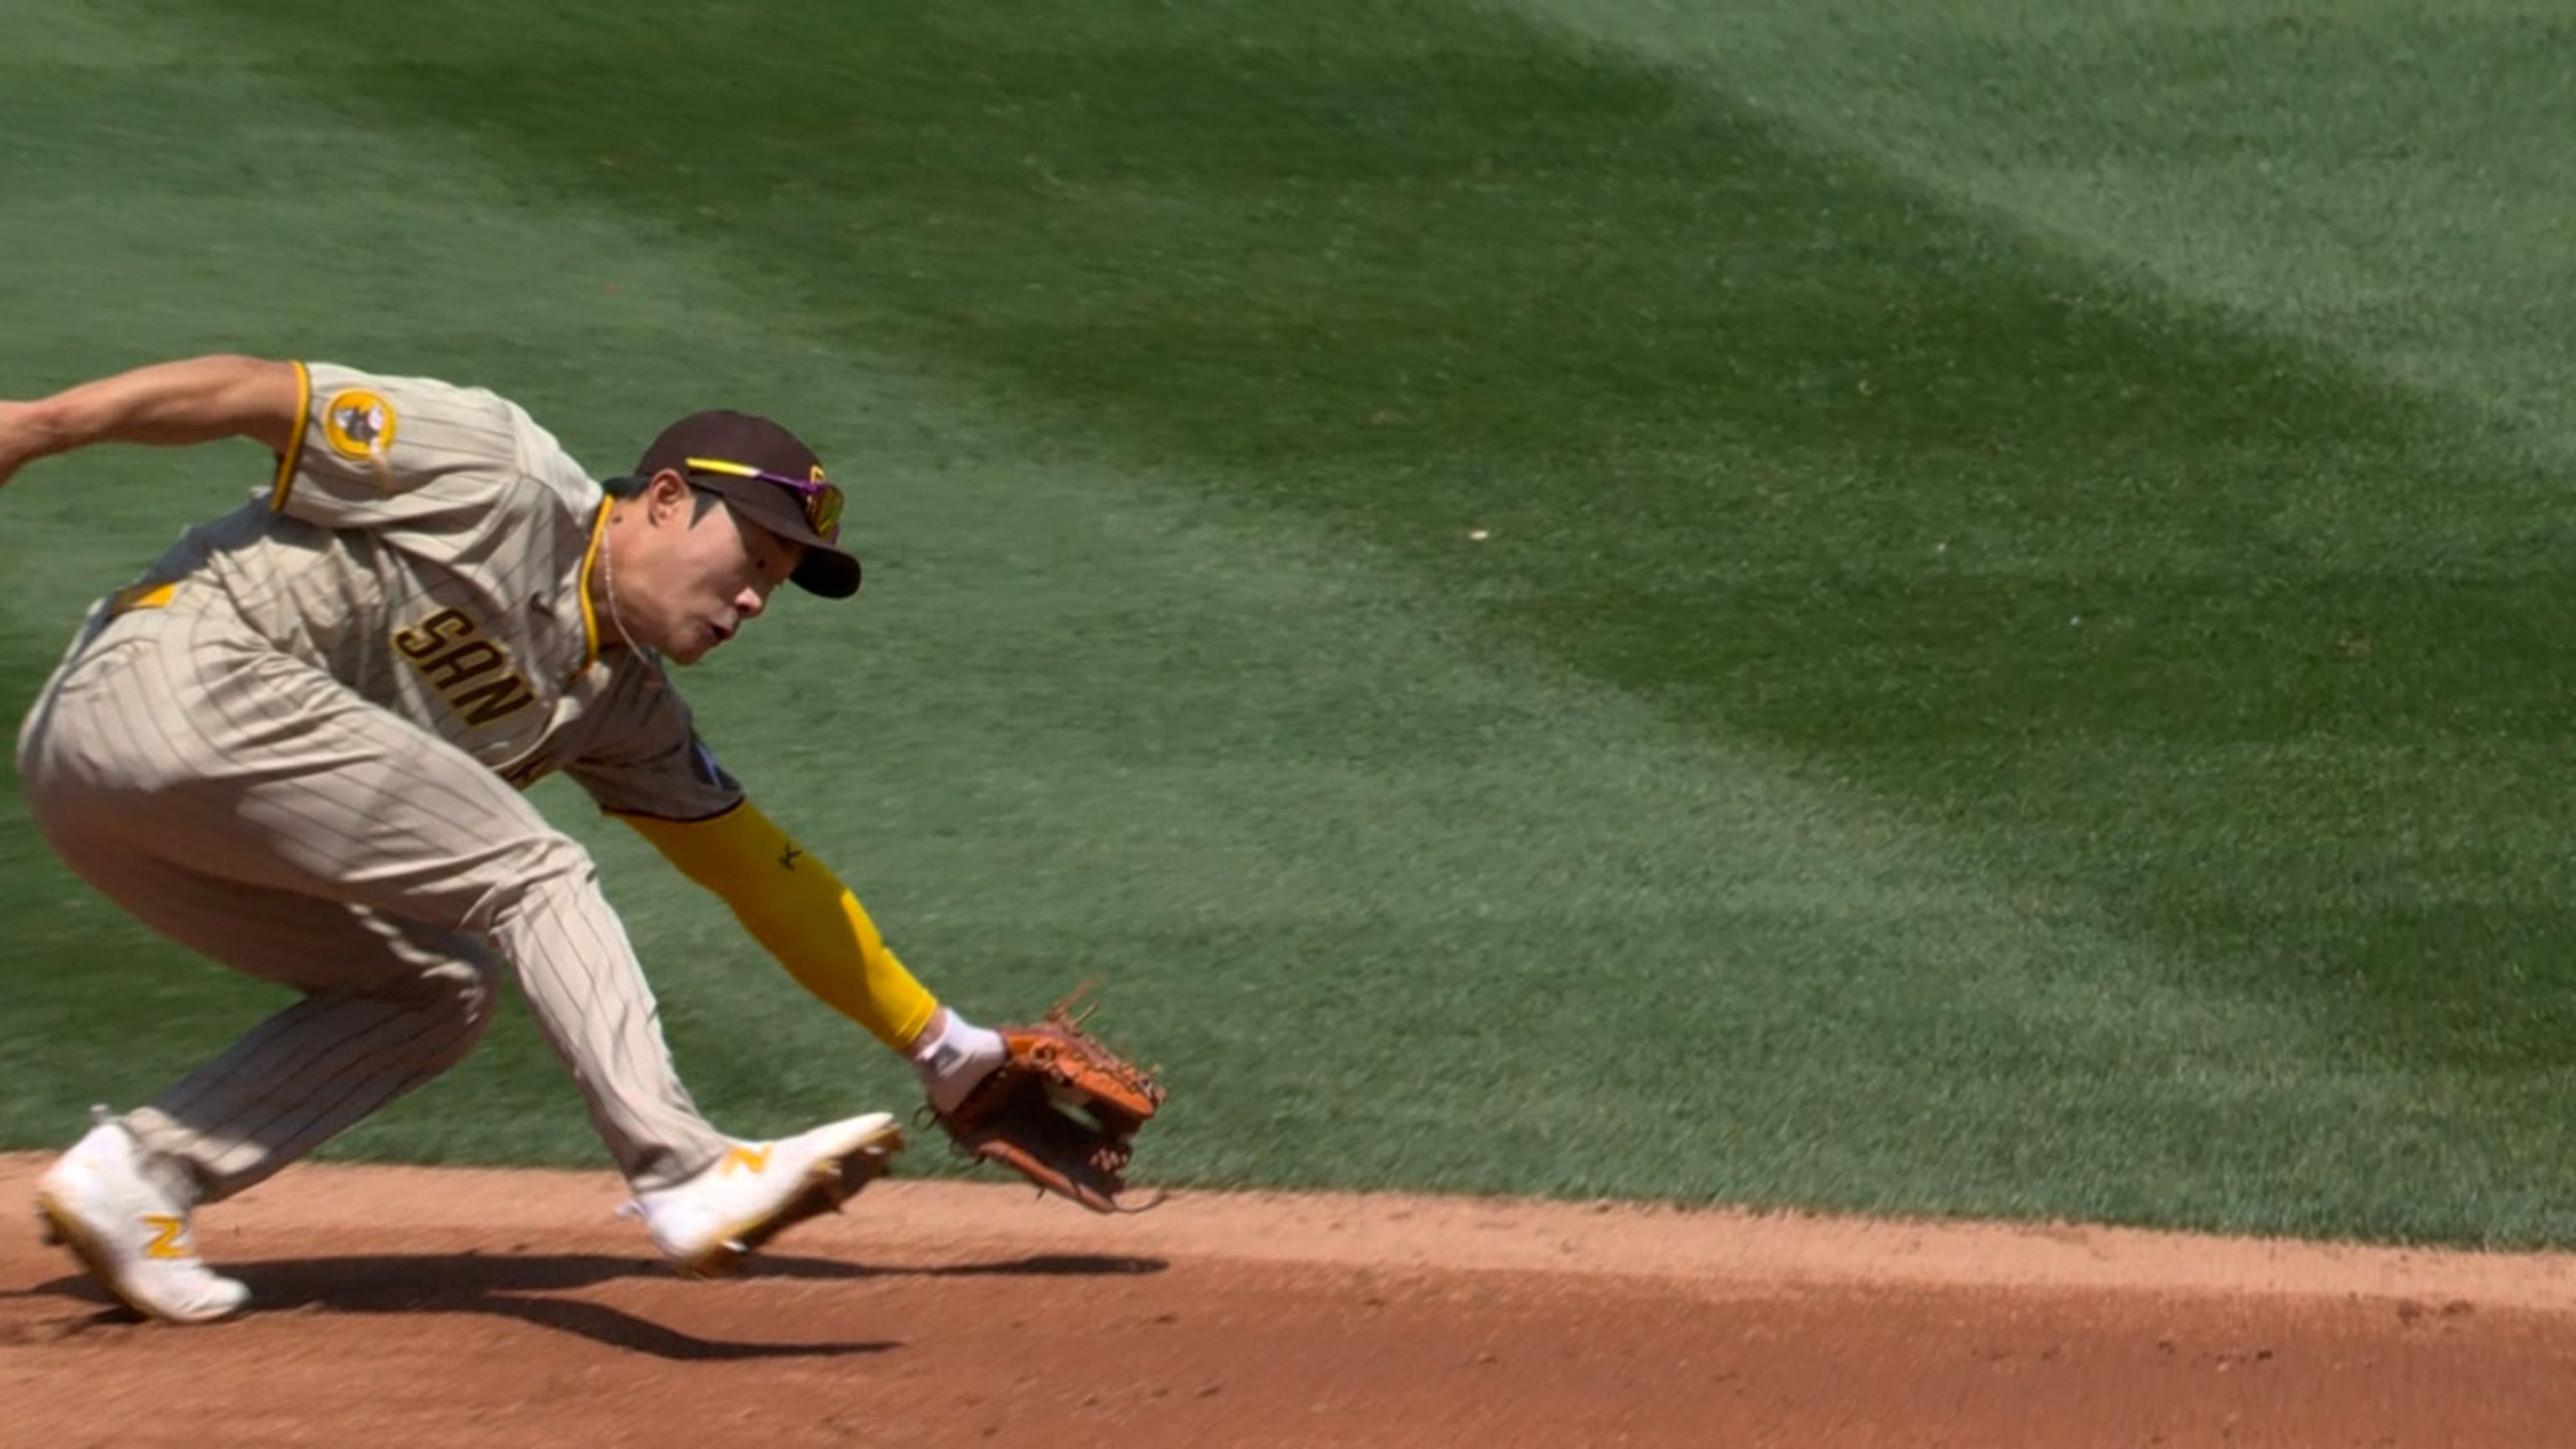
[(359, 425)]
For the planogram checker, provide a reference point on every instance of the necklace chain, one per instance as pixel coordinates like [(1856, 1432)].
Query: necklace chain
[(608, 588)]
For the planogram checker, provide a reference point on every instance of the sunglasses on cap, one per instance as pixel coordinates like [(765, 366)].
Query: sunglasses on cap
[(822, 500)]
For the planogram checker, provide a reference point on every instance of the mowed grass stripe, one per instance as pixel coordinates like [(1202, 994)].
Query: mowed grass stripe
[(2380, 182), (2375, 191)]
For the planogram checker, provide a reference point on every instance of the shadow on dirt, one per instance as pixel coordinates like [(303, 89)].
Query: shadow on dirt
[(516, 1285)]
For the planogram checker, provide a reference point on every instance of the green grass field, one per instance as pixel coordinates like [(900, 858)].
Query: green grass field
[(2015, 664)]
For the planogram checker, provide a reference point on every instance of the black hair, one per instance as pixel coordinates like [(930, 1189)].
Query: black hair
[(632, 485)]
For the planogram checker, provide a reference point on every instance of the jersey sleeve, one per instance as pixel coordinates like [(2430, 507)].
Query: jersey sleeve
[(648, 760), (372, 450)]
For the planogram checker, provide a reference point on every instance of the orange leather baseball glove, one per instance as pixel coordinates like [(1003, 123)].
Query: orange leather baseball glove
[(1062, 1110)]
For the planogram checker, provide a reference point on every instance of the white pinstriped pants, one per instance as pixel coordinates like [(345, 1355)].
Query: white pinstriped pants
[(248, 806)]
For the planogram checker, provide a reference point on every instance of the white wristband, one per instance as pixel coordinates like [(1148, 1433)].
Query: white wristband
[(951, 1062)]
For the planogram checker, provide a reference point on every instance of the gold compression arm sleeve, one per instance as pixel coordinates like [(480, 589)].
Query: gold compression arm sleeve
[(794, 905)]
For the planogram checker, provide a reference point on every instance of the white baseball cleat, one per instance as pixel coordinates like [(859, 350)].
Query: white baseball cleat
[(760, 1189), (134, 1240)]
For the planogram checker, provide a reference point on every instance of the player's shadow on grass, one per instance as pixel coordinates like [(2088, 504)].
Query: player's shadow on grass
[(517, 1286)]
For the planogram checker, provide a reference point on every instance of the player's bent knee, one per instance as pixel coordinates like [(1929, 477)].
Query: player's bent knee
[(455, 1001)]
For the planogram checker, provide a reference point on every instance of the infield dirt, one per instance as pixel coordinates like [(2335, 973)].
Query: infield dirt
[(413, 1306)]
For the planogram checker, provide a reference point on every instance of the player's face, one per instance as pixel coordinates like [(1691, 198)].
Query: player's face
[(709, 573)]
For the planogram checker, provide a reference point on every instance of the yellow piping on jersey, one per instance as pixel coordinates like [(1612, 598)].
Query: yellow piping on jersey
[(590, 620), (294, 453), (140, 596)]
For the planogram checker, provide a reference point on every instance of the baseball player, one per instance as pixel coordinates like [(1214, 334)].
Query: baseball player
[(296, 744)]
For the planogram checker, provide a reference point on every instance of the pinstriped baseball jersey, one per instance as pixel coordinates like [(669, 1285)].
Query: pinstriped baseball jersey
[(293, 744), (431, 547)]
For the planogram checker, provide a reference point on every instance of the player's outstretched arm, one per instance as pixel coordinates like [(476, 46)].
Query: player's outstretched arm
[(197, 400), (1001, 1094), (796, 906)]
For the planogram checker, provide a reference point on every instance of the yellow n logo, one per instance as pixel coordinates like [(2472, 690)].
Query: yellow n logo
[(746, 1159), (165, 1236)]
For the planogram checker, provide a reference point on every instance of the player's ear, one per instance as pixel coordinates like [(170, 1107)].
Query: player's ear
[(666, 495)]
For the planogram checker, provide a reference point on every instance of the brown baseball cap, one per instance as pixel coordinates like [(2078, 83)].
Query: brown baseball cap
[(772, 479)]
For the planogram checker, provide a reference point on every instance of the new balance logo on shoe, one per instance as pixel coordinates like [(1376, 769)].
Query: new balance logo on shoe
[(166, 1233), (754, 1191)]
